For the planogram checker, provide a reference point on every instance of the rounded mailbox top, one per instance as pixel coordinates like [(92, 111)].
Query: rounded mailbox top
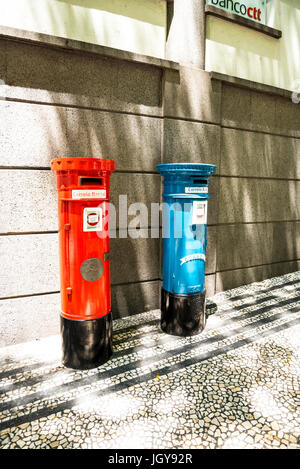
[(82, 164), (187, 168)]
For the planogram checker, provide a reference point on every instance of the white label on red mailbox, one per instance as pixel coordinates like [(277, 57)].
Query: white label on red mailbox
[(92, 219), (199, 212), (89, 194), (196, 190)]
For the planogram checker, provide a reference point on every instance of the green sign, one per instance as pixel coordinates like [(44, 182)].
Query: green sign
[(254, 10)]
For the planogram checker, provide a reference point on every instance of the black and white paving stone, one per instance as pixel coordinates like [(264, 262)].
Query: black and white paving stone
[(235, 385)]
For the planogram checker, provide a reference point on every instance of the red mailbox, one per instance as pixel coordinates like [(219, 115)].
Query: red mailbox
[(84, 244)]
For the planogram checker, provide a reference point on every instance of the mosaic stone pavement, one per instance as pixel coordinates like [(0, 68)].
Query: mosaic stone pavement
[(236, 385)]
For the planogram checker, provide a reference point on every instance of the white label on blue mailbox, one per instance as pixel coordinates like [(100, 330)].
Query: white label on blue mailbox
[(192, 257), (196, 190), (199, 212)]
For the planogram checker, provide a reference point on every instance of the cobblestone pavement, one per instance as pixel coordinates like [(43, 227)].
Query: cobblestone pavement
[(236, 385)]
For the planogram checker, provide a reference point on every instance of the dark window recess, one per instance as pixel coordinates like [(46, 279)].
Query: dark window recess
[(91, 181)]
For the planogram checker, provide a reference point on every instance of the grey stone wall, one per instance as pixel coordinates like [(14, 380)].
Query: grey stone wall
[(65, 103)]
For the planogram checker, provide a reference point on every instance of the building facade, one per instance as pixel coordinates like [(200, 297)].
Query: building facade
[(145, 82)]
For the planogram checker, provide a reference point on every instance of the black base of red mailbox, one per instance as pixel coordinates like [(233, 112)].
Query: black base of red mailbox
[(182, 315), (86, 344)]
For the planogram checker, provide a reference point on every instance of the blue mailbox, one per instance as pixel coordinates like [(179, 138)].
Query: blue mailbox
[(185, 198)]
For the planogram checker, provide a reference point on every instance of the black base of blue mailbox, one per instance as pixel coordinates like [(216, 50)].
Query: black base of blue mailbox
[(182, 315)]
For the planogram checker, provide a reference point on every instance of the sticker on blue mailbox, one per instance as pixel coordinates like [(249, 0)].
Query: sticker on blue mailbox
[(199, 212)]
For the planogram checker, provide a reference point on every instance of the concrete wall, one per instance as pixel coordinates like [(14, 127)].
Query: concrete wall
[(60, 102), (236, 50), (132, 25)]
